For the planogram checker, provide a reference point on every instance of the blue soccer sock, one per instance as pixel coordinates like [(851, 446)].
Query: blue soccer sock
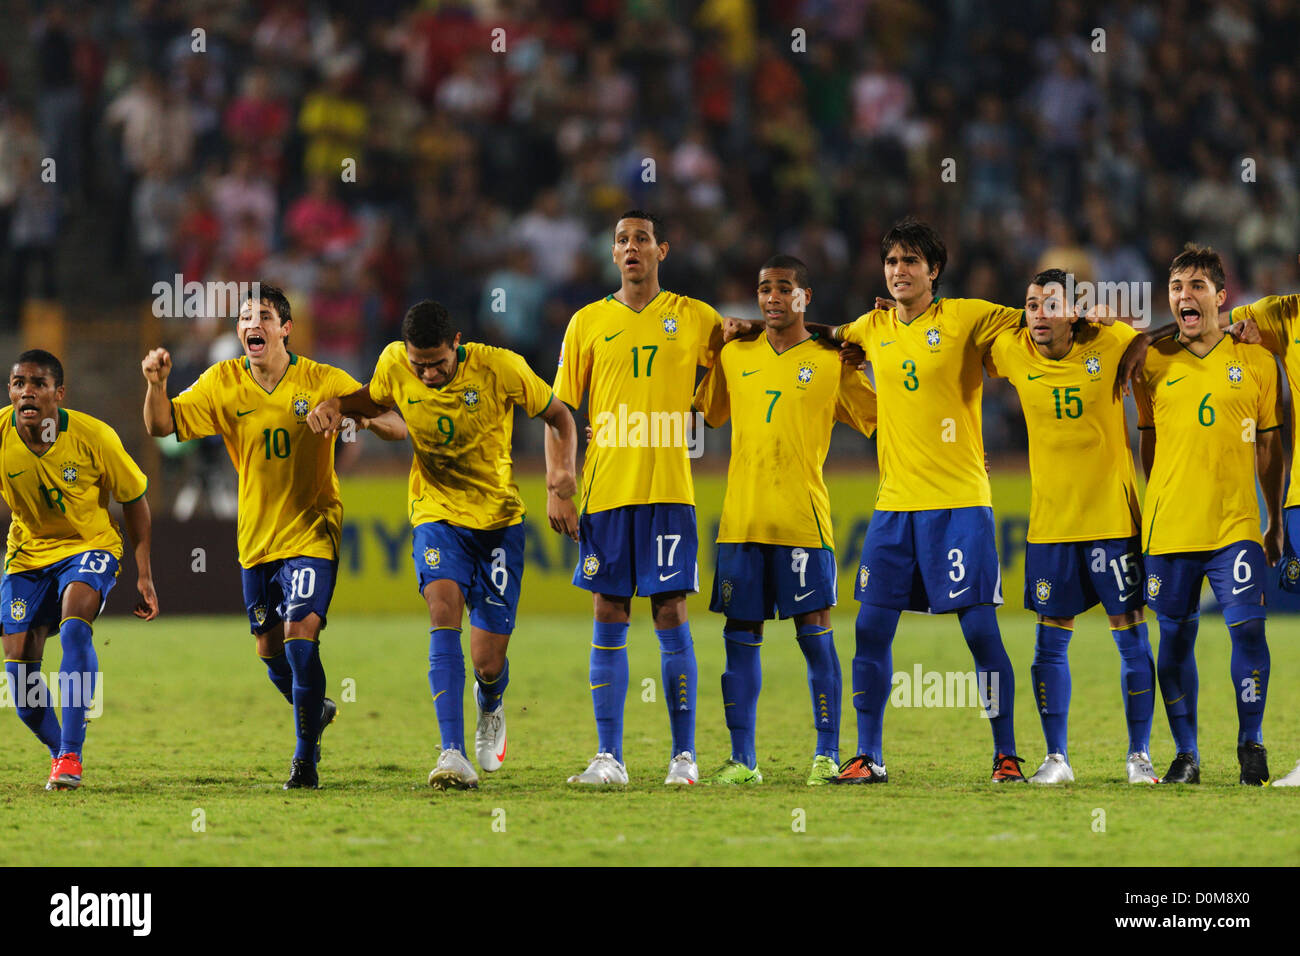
[(1050, 674), (609, 677), (281, 674), (308, 694), (824, 684), (679, 673), (32, 701), (873, 676), (490, 692), (741, 683), (996, 679), (1249, 666), (77, 673), (1137, 678), (447, 684), (1179, 683)]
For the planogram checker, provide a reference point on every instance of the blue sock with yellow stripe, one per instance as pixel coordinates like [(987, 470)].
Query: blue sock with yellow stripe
[(1050, 673), (873, 676), (308, 694), (447, 684), (77, 673), (1179, 682), (741, 683), (1249, 666), (491, 691), (680, 675), (825, 684), (281, 674), (31, 699), (609, 677), (1137, 678)]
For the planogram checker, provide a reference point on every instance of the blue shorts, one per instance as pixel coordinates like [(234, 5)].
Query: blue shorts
[(1237, 577), (1289, 567), (488, 566), (639, 549), (307, 582), (937, 561), (753, 582), (35, 598), (1066, 578)]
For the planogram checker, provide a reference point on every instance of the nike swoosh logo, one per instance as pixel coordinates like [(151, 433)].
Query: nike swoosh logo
[(16, 473), (1125, 597), (611, 338), (953, 594), (890, 342), (497, 603), (665, 577), (1135, 693), (1039, 375), (414, 401), (1239, 590), (242, 414), (502, 754), (597, 686), (289, 609), (439, 694), (800, 597), (755, 372), (1175, 381)]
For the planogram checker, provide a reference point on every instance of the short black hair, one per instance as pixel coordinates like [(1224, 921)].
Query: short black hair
[(428, 324), (789, 262), (1196, 258), (656, 224), (1050, 275), (46, 360), (919, 237)]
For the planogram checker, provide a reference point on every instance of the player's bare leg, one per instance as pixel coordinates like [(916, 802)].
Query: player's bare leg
[(312, 709), (677, 668), (24, 652), (446, 604), (487, 651)]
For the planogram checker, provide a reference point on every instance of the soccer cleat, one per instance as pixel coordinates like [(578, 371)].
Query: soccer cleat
[(682, 770), (1054, 770), (302, 776), (603, 771), (54, 766), (1140, 769), (1254, 763), (453, 772), (1184, 769), (65, 773), (489, 736), (861, 769), (328, 711), (824, 770), (1290, 780), (1006, 769), (735, 772)]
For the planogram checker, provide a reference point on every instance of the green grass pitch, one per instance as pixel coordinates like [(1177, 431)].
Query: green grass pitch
[(185, 765)]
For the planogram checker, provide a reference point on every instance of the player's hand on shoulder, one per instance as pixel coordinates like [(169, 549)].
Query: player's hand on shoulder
[(883, 303), (1246, 332), (853, 355), (147, 607), (1100, 315), (733, 328), (157, 365), (1130, 364), (325, 418)]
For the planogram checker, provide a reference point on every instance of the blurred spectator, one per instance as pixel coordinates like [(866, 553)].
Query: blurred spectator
[(511, 311), (319, 221)]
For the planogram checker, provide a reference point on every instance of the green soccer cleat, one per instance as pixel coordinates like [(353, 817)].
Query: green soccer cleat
[(823, 769), (733, 771)]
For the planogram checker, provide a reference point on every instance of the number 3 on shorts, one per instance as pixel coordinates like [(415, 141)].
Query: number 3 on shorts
[(958, 569), (98, 562)]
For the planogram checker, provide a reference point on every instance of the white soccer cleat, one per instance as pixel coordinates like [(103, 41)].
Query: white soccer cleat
[(1290, 780), (603, 771), (490, 736), (1054, 770), (1140, 769), (682, 770), (453, 772)]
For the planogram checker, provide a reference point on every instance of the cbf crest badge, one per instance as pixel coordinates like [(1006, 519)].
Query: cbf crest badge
[(432, 557), (1235, 374), (863, 574), (470, 398), (301, 406), (69, 473), (670, 324), (1042, 590), (806, 373), (1153, 585), (1292, 571), (590, 565), (932, 338), (18, 609), (259, 614), (1092, 365), (726, 590)]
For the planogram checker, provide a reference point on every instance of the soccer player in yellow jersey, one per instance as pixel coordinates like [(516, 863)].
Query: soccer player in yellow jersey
[(459, 400), (1208, 410), (60, 467), (290, 512), (1083, 546), (783, 392), (633, 355), (930, 543)]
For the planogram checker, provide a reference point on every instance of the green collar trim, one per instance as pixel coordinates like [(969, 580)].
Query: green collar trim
[(63, 419)]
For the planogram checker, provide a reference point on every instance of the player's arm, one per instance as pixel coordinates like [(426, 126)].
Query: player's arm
[(1269, 456), (158, 421), (139, 529), (389, 426), (327, 416), (1130, 363), (1146, 425), (561, 468)]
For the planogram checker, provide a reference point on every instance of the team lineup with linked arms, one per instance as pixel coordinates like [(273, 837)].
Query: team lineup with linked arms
[(1208, 398)]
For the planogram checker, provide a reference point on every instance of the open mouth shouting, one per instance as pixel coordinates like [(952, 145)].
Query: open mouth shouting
[(29, 411), (255, 344)]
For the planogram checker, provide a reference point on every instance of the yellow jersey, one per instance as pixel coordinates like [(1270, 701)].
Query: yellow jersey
[(929, 381), (1278, 317), (782, 406), (461, 472), (1206, 413), (1083, 483), (289, 504), (639, 368), (60, 499)]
